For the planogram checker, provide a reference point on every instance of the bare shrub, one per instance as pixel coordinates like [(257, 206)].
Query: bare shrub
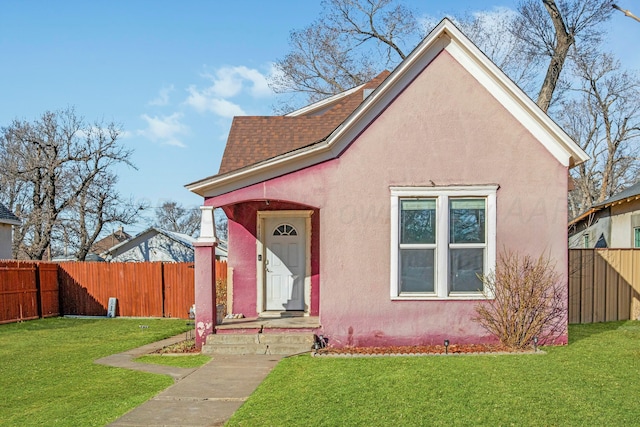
[(525, 299)]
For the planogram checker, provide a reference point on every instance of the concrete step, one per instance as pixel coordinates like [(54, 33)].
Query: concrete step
[(262, 343)]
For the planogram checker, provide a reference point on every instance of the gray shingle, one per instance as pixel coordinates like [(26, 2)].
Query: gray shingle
[(632, 191), (6, 216)]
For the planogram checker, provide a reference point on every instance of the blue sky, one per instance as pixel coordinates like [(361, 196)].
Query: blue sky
[(173, 74)]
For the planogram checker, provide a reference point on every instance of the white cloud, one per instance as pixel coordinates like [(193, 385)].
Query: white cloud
[(163, 96), (227, 83), (203, 102), (125, 134), (165, 129), (230, 81)]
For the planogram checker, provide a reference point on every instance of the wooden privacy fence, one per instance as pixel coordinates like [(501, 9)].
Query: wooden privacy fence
[(146, 289), (604, 285), (28, 290)]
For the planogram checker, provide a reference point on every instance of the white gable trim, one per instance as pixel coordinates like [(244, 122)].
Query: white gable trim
[(325, 103), (517, 103), (444, 36)]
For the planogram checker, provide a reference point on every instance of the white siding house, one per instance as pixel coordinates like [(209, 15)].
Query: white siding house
[(7, 221), (153, 244)]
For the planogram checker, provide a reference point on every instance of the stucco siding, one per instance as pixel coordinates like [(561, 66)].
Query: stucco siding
[(444, 129)]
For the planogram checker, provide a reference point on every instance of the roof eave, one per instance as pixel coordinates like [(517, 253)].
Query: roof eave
[(322, 104), (566, 148), (270, 168)]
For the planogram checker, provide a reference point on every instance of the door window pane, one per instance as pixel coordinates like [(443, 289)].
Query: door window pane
[(416, 270), (467, 220), (418, 221), (465, 265), (636, 239)]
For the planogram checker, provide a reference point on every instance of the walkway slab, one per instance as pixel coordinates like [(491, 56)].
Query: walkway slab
[(126, 359), (208, 396)]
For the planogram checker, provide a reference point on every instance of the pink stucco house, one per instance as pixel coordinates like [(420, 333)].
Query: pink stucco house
[(374, 210)]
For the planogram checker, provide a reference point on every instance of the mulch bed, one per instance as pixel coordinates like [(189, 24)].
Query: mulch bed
[(453, 350), (189, 347), (183, 347)]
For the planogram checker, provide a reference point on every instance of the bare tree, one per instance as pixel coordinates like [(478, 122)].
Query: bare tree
[(172, 216), (355, 39), (491, 31), (352, 42), (626, 12), (550, 29), (605, 120), (222, 224), (57, 173)]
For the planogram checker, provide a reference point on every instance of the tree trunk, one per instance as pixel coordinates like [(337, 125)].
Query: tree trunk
[(564, 40)]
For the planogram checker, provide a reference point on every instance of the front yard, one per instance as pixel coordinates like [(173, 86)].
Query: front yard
[(595, 380), (48, 378)]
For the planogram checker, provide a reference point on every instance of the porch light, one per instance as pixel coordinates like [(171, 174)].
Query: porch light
[(446, 346)]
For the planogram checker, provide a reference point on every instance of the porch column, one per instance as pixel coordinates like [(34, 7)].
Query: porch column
[(205, 276)]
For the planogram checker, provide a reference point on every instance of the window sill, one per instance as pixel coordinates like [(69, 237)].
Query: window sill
[(453, 297)]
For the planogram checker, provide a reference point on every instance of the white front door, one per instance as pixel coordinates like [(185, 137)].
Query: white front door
[(285, 263)]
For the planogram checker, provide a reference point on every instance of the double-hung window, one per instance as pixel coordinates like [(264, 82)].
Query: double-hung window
[(442, 241)]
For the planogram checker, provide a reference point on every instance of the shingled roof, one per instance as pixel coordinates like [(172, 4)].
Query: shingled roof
[(629, 195), (110, 241), (253, 139), (7, 217)]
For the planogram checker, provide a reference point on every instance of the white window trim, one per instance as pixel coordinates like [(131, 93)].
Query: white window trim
[(442, 195)]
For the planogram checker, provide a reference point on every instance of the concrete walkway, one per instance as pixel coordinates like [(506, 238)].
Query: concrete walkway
[(205, 396)]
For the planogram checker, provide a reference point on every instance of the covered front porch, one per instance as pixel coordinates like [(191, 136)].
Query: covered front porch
[(274, 255), (284, 323)]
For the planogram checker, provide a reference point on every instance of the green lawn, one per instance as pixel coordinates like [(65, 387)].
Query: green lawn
[(48, 378), (594, 381)]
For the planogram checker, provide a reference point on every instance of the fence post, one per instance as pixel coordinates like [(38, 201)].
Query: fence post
[(162, 290), (36, 271)]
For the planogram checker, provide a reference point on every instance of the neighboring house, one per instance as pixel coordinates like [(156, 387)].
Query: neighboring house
[(613, 223), (156, 244), (222, 252), (153, 244), (103, 245), (375, 210), (7, 221)]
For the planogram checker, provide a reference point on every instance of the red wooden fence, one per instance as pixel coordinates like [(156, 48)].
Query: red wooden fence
[(29, 290), (87, 287), (178, 298)]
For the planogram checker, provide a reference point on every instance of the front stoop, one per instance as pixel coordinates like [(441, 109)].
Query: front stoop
[(282, 343)]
